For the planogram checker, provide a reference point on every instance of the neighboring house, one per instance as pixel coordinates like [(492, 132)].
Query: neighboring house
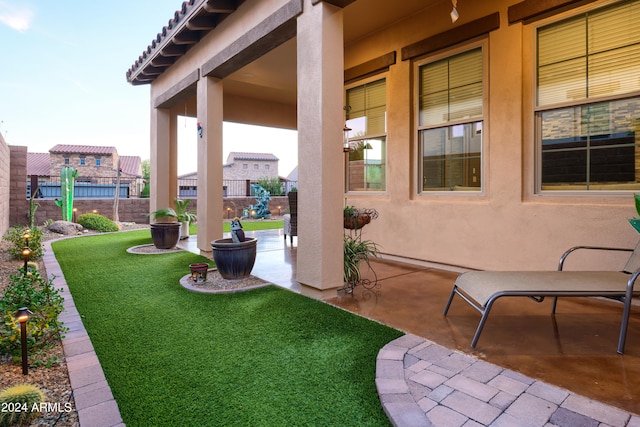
[(239, 168), (96, 166), (495, 140), (90, 161), (252, 166)]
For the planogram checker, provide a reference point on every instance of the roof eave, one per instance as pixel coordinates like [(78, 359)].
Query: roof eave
[(193, 21)]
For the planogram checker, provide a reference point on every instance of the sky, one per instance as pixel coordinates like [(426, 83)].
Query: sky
[(62, 81)]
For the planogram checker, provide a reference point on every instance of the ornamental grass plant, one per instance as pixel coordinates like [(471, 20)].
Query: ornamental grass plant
[(259, 358)]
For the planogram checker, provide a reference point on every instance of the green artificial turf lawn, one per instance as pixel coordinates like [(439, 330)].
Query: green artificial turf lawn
[(254, 225), (268, 357)]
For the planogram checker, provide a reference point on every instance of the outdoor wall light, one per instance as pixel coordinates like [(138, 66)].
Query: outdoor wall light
[(279, 207), (26, 252), (345, 130), (95, 211), (228, 213), (22, 316), (345, 141)]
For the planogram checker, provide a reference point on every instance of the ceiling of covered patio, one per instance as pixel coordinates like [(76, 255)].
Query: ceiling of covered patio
[(272, 77)]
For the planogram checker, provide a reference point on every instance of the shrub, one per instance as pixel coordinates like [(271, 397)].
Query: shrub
[(43, 327), (97, 222), (272, 185), (15, 235), (22, 404)]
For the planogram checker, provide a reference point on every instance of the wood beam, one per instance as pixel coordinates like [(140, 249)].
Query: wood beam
[(187, 37), (199, 23), (220, 6), (173, 50), (533, 10), (452, 37)]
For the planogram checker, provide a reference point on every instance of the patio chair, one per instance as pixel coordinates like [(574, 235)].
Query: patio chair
[(482, 289), (291, 219)]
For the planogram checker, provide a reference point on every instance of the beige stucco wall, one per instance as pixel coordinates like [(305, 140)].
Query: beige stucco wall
[(507, 227), (4, 185)]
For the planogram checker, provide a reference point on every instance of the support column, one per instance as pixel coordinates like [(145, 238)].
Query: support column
[(164, 159), (210, 108), (320, 157)]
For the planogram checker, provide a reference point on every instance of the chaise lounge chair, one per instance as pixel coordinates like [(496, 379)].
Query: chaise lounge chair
[(482, 288)]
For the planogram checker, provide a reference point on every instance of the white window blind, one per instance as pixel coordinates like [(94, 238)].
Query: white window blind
[(368, 103), (594, 55), (451, 89)]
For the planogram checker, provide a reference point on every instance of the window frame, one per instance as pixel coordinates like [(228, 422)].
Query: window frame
[(538, 110), (483, 45), (352, 85)]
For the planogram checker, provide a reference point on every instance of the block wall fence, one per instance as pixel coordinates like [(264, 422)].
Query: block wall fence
[(5, 182), (16, 204)]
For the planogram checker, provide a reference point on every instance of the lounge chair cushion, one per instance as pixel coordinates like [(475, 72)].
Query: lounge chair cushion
[(482, 285)]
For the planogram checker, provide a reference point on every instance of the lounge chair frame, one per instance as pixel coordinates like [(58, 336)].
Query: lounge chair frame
[(538, 295)]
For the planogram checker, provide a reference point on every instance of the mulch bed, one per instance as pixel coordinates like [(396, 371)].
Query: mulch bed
[(54, 380)]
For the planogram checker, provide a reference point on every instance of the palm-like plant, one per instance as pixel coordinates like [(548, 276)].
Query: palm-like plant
[(355, 252), (182, 211)]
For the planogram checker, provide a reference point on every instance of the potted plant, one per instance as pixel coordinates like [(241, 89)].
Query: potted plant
[(165, 231), (235, 256), (184, 215), (356, 252), (635, 222), (355, 219)]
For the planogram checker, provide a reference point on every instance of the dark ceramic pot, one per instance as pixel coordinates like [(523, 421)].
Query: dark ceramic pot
[(234, 260), (165, 235)]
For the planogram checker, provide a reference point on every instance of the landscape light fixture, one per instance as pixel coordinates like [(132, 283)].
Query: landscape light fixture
[(75, 212), (26, 236), (26, 252), (22, 316)]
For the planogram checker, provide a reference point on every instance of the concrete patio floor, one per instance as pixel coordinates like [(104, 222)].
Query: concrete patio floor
[(576, 350)]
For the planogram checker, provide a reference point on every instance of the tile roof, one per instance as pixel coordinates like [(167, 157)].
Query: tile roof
[(38, 164), (251, 156), (82, 149), (187, 26), (131, 165)]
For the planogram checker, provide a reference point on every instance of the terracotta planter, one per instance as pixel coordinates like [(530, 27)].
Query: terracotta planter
[(234, 260), (165, 235), (199, 272)]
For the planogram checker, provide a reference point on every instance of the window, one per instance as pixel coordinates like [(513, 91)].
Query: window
[(66, 160), (83, 161), (367, 121), (245, 166), (256, 166), (98, 160), (266, 167), (588, 87), (450, 122)]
